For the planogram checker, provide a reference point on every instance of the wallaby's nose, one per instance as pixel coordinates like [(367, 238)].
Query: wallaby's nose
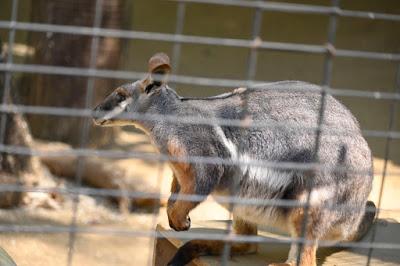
[(97, 116), (99, 121)]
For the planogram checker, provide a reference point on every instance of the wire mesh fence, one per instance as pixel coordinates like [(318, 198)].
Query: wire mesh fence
[(254, 44)]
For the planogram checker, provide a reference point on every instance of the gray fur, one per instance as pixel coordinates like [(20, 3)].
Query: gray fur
[(272, 102)]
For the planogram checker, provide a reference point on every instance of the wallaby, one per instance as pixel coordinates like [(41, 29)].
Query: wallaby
[(337, 198)]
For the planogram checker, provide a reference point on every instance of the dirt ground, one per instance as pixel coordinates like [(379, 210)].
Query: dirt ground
[(123, 239)]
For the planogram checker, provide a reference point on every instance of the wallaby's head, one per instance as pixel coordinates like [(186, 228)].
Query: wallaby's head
[(136, 97)]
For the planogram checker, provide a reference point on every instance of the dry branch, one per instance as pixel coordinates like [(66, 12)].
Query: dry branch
[(96, 172)]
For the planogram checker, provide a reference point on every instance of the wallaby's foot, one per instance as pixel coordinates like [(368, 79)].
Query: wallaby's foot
[(195, 248), (177, 221)]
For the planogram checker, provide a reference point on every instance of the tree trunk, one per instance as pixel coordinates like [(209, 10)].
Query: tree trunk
[(70, 50), (17, 169), (7, 198)]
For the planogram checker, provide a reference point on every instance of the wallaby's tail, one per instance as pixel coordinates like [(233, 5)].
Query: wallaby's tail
[(367, 221), (195, 248)]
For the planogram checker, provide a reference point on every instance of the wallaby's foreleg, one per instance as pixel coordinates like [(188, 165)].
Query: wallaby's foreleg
[(178, 209), (197, 180), (183, 184), (196, 248), (174, 192)]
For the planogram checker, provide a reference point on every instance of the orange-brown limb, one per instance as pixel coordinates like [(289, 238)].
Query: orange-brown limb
[(184, 184), (196, 248), (308, 256)]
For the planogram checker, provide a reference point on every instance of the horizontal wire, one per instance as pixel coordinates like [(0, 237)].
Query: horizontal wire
[(188, 235), (190, 39), (194, 120), (212, 160), (157, 157), (299, 8), (190, 80), (285, 203)]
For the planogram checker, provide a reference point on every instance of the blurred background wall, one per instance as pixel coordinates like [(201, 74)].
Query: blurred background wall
[(202, 60)]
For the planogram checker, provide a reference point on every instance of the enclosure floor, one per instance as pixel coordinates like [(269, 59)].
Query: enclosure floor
[(387, 232), (90, 249)]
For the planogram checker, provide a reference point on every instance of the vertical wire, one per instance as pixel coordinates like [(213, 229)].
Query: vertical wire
[(177, 48), (327, 77), (180, 18), (251, 71), (252, 61), (392, 124), (227, 245), (85, 129), (8, 74), (156, 210), (176, 54)]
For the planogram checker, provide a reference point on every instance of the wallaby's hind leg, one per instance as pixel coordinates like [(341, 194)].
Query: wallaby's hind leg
[(355, 228), (318, 223), (196, 248), (366, 223), (308, 256), (309, 251), (242, 227)]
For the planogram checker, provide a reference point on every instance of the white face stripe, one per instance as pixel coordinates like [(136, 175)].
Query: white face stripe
[(117, 109)]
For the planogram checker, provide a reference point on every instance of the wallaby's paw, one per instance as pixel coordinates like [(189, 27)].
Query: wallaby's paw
[(177, 222), (282, 264), (180, 225)]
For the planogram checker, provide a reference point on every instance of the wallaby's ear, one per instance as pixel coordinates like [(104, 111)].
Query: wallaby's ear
[(160, 66), (159, 63)]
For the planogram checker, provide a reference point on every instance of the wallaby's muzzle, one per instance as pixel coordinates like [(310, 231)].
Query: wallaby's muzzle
[(111, 111), (98, 116), (104, 112)]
